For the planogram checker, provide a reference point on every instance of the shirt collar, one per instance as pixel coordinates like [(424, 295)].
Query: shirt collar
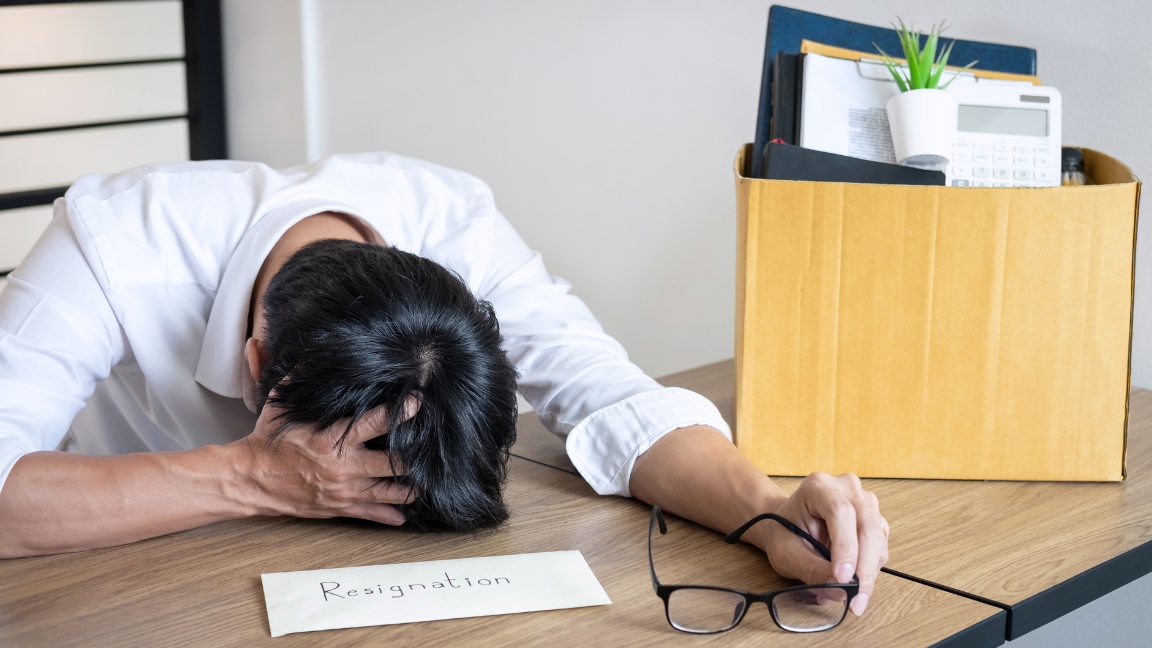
[(222, 367)]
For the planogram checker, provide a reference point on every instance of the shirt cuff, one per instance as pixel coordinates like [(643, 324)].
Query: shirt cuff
[(604, 446)]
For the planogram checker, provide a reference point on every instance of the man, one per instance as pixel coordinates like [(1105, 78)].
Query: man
[(217, 340)]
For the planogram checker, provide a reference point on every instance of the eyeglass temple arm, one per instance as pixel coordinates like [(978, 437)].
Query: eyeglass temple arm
[(734, 537), (657, 517)]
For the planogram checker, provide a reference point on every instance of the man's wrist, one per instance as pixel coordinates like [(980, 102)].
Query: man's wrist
[(239, 487), (696, 472), (768, 502)]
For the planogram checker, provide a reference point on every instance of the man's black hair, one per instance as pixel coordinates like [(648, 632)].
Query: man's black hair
[(352, 326)]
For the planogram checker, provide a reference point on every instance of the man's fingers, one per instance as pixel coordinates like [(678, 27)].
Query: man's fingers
[(375, 421), (873, 545), (371, 425), (840, 510), (832, 506), (382, 513), (412, 406), (802, 562), (387, 491), (373, 463), (326, 439)]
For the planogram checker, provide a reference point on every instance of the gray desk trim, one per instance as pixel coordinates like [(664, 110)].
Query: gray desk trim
[(1083, 588), (988, 633)]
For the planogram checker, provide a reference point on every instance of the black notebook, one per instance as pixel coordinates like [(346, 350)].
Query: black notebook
[(787, 76), (787, 162)]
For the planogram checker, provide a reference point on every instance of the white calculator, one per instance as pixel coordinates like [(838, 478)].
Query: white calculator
[(1008, 135)]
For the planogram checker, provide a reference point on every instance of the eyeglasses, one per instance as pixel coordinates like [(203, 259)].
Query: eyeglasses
[(703, 609)]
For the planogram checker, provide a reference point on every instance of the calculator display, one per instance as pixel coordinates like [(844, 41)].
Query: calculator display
[(1003, 121)]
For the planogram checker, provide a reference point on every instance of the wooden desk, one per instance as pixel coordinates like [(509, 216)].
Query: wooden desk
[(202, 587), (1045, 548)]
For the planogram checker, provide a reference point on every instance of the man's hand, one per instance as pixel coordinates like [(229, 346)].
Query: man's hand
[(844, 517), (695, 472), (305, 473)]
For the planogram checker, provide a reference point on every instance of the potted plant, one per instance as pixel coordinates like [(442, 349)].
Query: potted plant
[(923, 116)]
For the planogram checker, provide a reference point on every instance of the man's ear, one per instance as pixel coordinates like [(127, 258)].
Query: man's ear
[(256, 356)]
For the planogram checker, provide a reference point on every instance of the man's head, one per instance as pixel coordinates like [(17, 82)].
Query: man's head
[(349, 327)]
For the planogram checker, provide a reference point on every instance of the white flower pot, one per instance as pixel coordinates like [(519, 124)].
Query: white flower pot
[(923, 124)]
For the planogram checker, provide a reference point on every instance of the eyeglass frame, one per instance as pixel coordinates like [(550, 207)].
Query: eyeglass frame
[(665, 591)]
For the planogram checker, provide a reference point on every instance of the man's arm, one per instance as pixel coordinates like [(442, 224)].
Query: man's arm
[(698, 474), (629, 436), (55, 502)]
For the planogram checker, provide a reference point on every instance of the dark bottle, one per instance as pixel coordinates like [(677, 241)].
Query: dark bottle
[(1071, 167)]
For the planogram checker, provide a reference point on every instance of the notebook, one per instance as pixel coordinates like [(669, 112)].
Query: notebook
[(787, 75), (787, 162)]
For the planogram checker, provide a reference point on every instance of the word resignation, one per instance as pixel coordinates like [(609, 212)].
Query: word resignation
[(333, 589), (353, 597)]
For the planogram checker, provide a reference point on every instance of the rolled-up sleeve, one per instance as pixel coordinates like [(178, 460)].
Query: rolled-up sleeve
[(578, 378), (58, 338)]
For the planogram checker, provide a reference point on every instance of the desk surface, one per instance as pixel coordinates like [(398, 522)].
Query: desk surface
[(1045, 548), (202, 587)]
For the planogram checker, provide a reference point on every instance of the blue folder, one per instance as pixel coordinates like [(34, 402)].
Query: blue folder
[(787, 27)]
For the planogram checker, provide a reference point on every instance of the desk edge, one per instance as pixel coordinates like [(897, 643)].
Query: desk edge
[(1083, 588), (988, 633)]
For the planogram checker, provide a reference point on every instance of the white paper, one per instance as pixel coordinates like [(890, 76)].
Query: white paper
[(842, 110), (354, 597)]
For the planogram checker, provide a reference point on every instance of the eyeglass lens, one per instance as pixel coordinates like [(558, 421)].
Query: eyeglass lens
[(704, 610), (810, 610), (709, 610)]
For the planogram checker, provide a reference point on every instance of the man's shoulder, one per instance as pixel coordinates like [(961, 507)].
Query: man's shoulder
[(169, 223), (416, 173), (379, 171), (105, 186)]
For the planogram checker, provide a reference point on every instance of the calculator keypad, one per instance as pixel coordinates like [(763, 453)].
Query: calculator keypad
[(981, 162)]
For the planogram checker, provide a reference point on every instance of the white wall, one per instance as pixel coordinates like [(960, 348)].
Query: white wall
[(264, 81), (607, 128)]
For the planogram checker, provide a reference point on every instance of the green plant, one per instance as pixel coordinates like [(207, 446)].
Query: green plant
[(924, 67)]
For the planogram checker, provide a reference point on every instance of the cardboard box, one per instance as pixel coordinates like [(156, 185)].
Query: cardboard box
[(936, 332)]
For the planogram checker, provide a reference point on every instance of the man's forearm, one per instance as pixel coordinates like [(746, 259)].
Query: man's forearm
[(55, 502), (696, 473)]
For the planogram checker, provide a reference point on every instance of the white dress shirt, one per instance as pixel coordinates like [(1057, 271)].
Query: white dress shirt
[(124, 329)]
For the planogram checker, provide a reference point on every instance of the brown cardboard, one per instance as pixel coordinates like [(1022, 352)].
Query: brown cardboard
[(936, 332)]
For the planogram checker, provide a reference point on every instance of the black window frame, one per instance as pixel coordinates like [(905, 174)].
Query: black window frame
[(204, 74)]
